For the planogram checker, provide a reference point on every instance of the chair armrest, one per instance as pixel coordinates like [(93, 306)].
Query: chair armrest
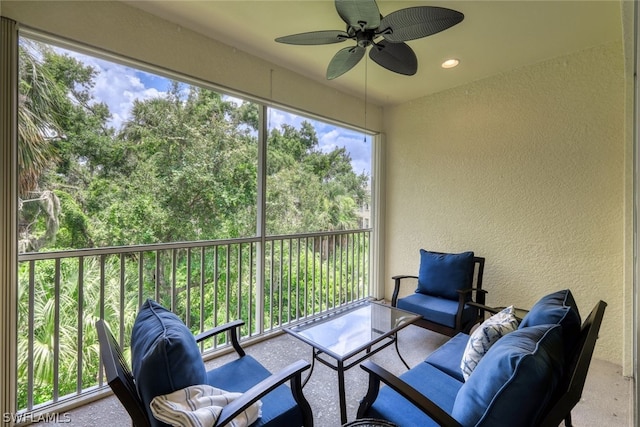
[(491, 310), (292, 373), (520, 313), (232, 328), (396, 289), (463, 301), (377, 374), (469, 290), (403, 276)]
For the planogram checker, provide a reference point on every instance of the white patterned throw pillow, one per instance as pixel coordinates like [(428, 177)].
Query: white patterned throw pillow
[(485, 336), (200, 405)]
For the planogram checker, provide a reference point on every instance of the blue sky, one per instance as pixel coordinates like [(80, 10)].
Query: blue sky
[(119, 85)]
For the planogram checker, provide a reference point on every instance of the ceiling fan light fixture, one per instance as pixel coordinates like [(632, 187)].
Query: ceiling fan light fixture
[(450, 63), (365, 25)]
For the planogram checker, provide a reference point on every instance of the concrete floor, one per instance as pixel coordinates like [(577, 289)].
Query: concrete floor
[(605, 400)]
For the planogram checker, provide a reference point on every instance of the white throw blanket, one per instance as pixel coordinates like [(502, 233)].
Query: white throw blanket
[(200, 406)]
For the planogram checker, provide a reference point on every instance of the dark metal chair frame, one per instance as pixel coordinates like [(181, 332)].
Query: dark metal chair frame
[(567, 395), (464, 297), (122, 382)]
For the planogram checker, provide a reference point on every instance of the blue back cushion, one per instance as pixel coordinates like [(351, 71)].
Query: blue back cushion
[(514, 381), (443, 275), (164, 354), (558, 308)]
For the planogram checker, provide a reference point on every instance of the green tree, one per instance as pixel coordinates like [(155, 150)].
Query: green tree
[(199, 163), (308, 189), (59, 127), (39, 102)]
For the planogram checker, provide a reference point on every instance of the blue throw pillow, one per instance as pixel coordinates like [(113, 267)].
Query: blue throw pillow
[(164, 354), (443, 275), (514, 381)]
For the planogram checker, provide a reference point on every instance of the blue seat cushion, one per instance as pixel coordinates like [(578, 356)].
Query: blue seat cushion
[(164, 354), (448, 356), (556, 308), (430, 382), (434, 309), (444, 274), (278, 407), (515, 379)]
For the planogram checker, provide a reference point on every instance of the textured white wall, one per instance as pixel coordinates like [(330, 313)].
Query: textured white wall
[(525, 169)]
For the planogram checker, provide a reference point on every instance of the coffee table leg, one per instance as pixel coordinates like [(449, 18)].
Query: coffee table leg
[(395, 338), (341, 393), (313, 364)]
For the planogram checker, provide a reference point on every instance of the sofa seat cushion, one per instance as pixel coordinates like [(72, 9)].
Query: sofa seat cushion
[(429, 381), (447, 357), (556, 308), (278, 407), (514, 380), (444, 274), (434, 309), (164, 354)]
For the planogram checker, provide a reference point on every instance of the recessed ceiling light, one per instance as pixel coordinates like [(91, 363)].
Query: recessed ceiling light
[(450, 63)]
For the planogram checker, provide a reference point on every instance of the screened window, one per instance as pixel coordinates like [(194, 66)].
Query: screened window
[(112, 155)]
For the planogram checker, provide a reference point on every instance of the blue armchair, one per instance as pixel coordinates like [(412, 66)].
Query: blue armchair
[(447, 283), (166, 358)]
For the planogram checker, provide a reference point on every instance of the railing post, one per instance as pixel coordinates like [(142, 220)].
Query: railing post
[(8, 209), (261, 219), (376, 236)]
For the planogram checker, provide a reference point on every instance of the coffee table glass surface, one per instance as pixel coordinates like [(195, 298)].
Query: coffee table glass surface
[(365, 327), (346, 332)]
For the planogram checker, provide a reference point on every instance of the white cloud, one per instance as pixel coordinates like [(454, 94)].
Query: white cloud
[(331, 137), (118, 86), (355, 143)]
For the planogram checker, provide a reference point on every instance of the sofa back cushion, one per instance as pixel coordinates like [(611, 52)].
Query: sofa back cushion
[(443, 275), (514, 381), (556, 308), (164, 354)]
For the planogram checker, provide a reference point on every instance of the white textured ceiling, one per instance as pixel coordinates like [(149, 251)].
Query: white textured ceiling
[(494, 37)]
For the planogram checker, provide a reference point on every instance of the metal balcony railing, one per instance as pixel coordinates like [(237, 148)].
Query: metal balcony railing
[(268, 282)]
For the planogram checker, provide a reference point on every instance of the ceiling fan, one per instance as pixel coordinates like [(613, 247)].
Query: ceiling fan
[(365, 25)]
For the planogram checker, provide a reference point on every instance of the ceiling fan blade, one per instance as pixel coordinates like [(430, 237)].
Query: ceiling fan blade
[(416, 22), (396, 57), (315, 37), (362, 14), (344, 60)]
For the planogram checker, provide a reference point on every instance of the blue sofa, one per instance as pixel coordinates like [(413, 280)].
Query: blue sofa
[(524, 379)]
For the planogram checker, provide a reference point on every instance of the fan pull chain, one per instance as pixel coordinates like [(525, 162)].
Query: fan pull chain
[(366, 70)]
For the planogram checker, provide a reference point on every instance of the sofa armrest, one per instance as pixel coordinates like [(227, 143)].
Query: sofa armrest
[(396, 289), (292, 373), (232, 328), (378, 374)]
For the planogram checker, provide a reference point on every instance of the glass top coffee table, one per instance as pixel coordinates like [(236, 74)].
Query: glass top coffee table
[(339, 338)]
